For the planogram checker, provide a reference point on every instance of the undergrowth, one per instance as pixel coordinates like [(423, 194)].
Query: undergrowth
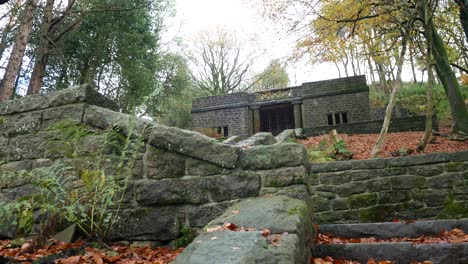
[(76, 190), (328, 151), (412, 96)]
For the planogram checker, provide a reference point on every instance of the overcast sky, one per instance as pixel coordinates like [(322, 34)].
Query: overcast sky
[(195, 16)]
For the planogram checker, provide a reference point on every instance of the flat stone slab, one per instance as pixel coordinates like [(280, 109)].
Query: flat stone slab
[(230, 247), (221, 247), (288, 219), (278, 213), (391, 229), (400, 253)]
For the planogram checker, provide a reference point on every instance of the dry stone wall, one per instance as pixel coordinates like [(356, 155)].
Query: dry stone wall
[(415, 187), (179, 178)]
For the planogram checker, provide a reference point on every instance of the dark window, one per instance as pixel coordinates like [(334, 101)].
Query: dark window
[(330, 119), (337, 119), (344, 117), (225, 129), (219, 130)]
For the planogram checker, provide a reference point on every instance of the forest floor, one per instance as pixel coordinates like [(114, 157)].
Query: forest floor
[(81, 252), (362, 144)]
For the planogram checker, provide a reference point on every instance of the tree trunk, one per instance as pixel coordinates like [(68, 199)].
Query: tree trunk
[(396, 86), (6, 30), (42, 51), (371, 70), (16, 57), (382, 78), (411, 52), (449, 81), (464, 16), (429, 103)]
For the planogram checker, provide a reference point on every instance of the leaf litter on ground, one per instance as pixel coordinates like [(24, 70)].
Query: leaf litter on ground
[(362, 144), (116, 253)]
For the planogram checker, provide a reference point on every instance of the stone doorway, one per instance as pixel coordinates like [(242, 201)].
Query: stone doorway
[(276, 118)]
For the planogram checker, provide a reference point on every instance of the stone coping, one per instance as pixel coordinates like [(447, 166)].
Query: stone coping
[(380, 163), (74, 95)]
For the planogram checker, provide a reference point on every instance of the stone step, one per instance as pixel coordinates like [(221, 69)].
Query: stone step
[(400, 252), (394, 229)]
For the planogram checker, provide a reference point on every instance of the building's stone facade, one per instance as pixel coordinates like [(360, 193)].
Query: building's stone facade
[(316, 107)]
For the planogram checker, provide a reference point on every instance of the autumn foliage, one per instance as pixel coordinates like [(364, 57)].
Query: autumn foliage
[(116, 253)]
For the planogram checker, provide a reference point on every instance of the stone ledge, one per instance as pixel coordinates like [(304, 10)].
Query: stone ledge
[(381, 163), (189, 143), (274, 156), (76, 94)]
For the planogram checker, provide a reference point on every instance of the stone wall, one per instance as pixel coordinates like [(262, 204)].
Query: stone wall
[(179, 178), (398, 112), (222, 100), (315, 110), (236, 119), (409, 188), (414, 123), (335, 86)]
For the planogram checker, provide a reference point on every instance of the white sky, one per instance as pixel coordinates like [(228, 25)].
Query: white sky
[(194, 16)]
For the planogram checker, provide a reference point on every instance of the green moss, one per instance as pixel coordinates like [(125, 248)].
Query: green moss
[(455, 166), (2, 119), (376, 214), (298, 210), (142, 212), (362, 200), (188, 235), (275, 184), (453, 209)]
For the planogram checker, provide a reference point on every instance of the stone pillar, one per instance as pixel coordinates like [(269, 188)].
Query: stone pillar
[(297, 115), (251, 122), (256, 120)]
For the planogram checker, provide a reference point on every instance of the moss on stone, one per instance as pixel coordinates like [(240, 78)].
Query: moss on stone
[(376, 214), (362, 200), (453, 209), (142, 212), (188, 235), (298, 210), (275, 184), (2, 119), (455, 166)]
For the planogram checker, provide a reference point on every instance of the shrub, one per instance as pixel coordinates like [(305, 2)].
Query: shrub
[(413, 97), (73, 191)]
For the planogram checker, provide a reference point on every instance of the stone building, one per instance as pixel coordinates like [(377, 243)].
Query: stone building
[(316, 107)]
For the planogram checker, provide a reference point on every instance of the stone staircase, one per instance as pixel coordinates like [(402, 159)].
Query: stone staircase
[(399, 252)]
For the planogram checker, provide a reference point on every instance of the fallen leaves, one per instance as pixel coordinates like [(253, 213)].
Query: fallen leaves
[(229, 226), (119, 254), (330, 260), (361, 144), (274, 239), (454, 236)]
